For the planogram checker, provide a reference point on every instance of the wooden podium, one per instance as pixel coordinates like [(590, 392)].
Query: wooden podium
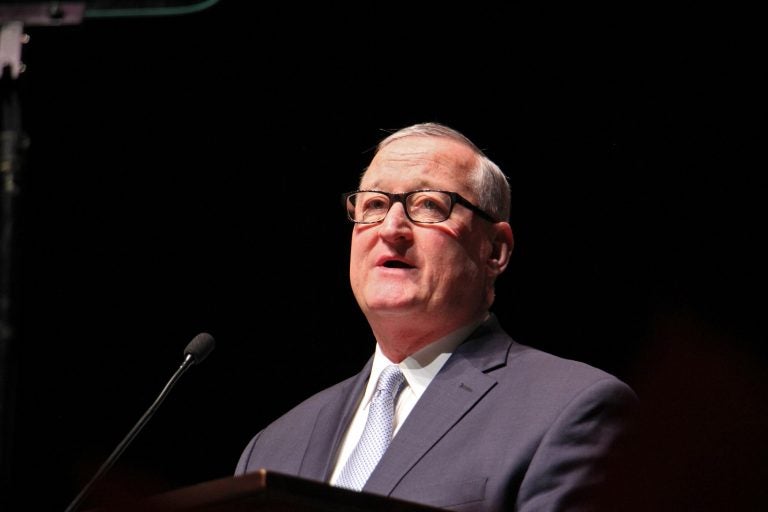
[(266, 491)]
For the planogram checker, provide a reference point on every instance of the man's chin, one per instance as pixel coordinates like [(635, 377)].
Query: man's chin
[(392, 307)]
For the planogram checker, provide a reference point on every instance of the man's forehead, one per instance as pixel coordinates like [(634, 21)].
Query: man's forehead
[(419, 146), (427, 155)]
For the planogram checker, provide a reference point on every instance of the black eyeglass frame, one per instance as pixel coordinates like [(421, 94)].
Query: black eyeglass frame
[(403, 196)]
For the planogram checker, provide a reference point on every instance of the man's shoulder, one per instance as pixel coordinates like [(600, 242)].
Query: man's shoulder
[(541, 361), (554, 373), (552, 384), (515, 362), (326, 395)]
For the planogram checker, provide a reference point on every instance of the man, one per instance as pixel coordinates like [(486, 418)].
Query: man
[(481, 422)]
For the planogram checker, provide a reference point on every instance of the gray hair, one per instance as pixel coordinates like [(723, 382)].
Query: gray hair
[(490, 184)]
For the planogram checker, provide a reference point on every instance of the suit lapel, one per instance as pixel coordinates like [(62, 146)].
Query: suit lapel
[(330, 425), (459, 385)]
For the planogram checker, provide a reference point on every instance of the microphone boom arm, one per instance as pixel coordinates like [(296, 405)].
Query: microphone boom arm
[(196, 351)]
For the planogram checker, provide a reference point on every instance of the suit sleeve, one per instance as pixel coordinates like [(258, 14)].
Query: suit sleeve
[(243, 463), (569, 466)]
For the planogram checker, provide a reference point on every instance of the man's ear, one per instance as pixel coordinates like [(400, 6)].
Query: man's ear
[(502, 245)]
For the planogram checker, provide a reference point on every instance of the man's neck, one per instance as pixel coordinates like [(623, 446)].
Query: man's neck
[(400, 338)]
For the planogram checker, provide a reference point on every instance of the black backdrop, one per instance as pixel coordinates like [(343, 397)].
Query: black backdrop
[(184, 175)]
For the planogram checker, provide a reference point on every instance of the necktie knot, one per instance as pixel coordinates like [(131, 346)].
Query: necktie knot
[(390, 381)]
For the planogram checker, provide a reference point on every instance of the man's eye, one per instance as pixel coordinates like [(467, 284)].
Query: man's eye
[(430, 203), (375, 204)]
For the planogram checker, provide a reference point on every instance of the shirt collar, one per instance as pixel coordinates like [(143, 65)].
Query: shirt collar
[(420, 367)]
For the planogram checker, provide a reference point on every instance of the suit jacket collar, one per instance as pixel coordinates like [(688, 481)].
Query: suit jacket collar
[(331, 424), (460, 384)]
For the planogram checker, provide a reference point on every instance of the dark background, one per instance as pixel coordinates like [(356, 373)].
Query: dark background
[(184, 175)]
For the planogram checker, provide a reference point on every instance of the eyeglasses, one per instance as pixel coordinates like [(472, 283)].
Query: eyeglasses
[(421, 206)]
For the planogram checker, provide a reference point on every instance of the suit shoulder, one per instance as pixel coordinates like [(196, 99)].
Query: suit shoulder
[(541, 369), (318, 400)]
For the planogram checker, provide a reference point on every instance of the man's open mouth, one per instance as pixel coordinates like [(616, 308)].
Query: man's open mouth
[(397, 264)]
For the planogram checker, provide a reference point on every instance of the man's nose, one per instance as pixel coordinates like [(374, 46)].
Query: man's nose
[(396, 222)]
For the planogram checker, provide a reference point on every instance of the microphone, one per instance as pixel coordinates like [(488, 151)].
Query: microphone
[(195, 352)]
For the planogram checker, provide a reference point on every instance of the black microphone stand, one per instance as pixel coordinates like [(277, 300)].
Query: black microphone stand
[(13, 146), (189, 360), (14, 16)]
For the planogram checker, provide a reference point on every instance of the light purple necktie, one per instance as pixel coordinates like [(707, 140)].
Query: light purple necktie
[(378, 430)]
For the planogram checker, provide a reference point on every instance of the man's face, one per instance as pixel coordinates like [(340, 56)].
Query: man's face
[(436, 271)]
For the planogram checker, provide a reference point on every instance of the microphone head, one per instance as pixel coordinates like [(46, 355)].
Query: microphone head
[(200, 346)]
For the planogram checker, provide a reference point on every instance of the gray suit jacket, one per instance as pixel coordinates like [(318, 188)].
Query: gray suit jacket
[(502, 426)]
